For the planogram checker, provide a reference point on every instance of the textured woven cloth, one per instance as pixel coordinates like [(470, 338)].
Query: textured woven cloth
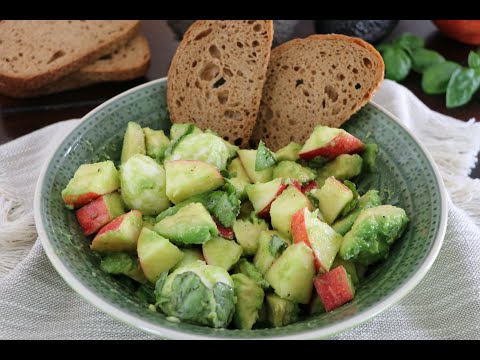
[(36, 303)]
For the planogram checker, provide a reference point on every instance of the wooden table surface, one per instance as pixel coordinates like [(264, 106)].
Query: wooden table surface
[(19, 117)]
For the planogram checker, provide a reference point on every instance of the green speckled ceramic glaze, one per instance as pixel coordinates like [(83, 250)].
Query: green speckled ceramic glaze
[(405, 176)]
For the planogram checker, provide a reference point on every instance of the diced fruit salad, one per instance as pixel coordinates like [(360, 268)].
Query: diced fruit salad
[(215, 235)]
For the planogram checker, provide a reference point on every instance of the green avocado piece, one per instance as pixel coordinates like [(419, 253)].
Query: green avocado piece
[(372, 234), (198, 294), (124, 264), (247, 232), (369, 157), (370, 199), (133, 141), (280, 311), (192, 224), (249, 301), (247, 268), (143, 184), (289, 152), (316, 306), (343, 167), (349, 266), (156, 142), (293, 170)]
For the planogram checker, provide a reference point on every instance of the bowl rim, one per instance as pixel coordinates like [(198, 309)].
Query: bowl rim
[(160, 331)]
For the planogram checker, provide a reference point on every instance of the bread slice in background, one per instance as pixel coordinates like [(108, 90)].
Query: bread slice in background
[(322, 79), (37, 52), (129, 62), (217, 74)]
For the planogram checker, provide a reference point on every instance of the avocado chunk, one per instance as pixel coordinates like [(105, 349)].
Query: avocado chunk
[(192, 224), (221, 252), (124, 264), (247, 233), (156, 254), (289, 152), (247, 268), (369, 157), (249, 301), (156, 142), (370, 199), (198, 294), (343, 167), (143, 184), (133, 141), (280, 311), (204, 147), (372, 234), (293, 170)]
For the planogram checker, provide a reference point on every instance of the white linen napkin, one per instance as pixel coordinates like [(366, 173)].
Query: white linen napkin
[(36, 303)]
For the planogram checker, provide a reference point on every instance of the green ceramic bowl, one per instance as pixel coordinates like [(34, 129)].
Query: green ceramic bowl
[(405, 171)]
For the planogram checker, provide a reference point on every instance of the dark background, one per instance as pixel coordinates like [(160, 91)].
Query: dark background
[(19, 117)]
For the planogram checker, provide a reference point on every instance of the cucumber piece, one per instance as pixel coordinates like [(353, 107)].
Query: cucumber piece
[(264, 258), (247, 233), (156, 142), (281, 312)]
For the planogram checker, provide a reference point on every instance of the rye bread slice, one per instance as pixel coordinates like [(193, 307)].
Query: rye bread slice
[(38, 52), (129, 62), (217, 74), (322, 79)]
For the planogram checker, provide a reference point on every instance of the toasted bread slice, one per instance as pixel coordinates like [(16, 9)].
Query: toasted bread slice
[(217, 74), (129, 62), (38, 52), (322, 79)]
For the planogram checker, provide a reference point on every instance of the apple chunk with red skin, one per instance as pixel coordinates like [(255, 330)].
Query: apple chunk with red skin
[(329, 143), (334, 288), (317, 235), (89, 182), (120, 234), (99, 212), (310, 186), (262, 195)]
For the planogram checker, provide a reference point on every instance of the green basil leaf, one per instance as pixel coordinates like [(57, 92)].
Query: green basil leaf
[(474, 59), (424, 58), (397, 63), (462, 85), (276, 246), (435, 79), (409, 42), (265, 158)]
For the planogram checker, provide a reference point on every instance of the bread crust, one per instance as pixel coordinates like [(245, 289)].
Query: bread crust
[(275, 124), (118, 68), (232, 116), (14, 81)]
